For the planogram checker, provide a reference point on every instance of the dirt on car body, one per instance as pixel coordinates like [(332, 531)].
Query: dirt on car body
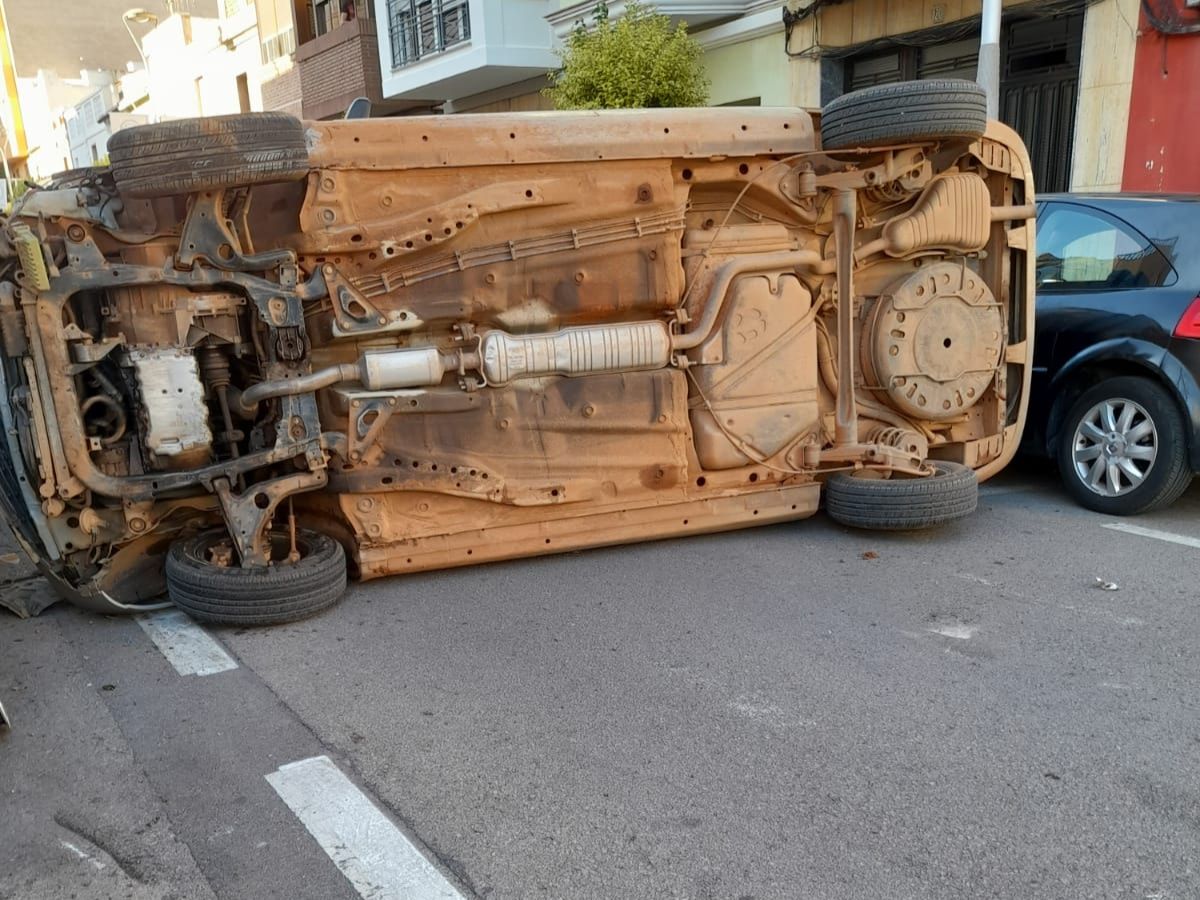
[(256, 352)]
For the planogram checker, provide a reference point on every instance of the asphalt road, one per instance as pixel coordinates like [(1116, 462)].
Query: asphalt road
[(796, 711)]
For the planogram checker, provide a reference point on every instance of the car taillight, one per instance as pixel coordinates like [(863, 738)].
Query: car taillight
[(1189, 322)]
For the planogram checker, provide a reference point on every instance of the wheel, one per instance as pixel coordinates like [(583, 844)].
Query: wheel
[(902, 504), (210, 591), (73, 178), (905, 112), (205, 154), (1122, 449)]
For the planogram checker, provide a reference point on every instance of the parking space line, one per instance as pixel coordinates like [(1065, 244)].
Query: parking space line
[(187, 646), (373, 854), (1168, 536)]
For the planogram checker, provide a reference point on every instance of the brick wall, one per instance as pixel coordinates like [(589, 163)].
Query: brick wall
[(282, 93), (337, 67)]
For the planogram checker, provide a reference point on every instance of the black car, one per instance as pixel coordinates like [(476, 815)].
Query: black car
[(1115, 398)]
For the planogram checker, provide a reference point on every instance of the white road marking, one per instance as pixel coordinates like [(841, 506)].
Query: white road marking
[(959, 632), (376, 858), (187, 646), (1168, 536), (82, 855)]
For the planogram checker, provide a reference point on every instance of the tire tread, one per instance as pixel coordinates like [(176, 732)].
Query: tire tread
[(903, 504), (276, 595), (908, 111)]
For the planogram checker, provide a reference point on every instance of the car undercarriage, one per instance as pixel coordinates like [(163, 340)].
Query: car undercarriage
[(255, 346)]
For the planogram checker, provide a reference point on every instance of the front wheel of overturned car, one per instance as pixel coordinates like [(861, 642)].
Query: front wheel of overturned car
[(203, 580), (207, 154), (1122, 449), (902, 504)]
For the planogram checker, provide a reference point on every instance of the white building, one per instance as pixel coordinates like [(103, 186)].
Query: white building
[(462, 51), (202, 66), (87, 127), (493, 55), (49, 102)]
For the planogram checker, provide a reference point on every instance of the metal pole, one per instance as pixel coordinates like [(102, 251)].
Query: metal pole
[(989, 56)]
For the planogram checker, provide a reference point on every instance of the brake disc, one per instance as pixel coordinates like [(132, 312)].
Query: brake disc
[(935, 341)]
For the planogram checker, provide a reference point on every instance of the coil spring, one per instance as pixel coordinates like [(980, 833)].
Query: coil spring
[(900, 438)]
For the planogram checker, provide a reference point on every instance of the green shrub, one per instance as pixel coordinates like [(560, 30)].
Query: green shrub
[(636, 61)]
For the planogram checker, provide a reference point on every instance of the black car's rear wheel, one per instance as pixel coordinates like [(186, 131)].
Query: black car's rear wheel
[(1122, 449), (205, 582)]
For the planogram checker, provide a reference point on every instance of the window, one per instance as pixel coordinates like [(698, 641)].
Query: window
[(419, 28), (277, 45), (243, 90), (95, 154), (325, 16), (1082, 248)]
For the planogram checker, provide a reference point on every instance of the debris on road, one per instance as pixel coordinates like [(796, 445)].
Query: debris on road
[(1107, 585), (870, 554)]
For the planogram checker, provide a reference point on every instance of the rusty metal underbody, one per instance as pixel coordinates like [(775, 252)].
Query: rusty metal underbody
[(479, 338)]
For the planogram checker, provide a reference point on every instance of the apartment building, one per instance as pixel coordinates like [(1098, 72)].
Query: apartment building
[(202, 65), (319, 55), (50, 62), (1068, 66)]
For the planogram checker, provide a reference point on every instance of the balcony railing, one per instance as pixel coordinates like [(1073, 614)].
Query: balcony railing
[(421, 28)]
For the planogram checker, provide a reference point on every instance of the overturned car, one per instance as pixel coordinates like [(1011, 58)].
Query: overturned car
[(255, 353)]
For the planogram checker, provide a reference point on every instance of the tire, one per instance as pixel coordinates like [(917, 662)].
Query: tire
[(1160, 456), (283, 592), (946, 109), (207, 154), (73, 178), (903, 504)]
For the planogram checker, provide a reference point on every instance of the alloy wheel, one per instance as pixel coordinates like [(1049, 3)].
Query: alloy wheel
[(1114, 447)]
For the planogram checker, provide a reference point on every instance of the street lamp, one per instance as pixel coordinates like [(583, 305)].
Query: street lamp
[(141, 17)]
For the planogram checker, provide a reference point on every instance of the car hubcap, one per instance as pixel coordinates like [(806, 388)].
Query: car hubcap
[(1114, 448)]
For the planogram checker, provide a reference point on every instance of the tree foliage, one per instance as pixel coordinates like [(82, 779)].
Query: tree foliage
[(635, 61)]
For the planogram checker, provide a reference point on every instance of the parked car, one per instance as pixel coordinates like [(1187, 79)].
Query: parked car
[(1117, 352), (254, 347)]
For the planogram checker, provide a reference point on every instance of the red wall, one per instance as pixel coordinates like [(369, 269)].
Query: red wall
[(1162, 148)]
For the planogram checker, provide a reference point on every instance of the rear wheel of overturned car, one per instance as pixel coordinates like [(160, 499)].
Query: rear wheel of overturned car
[(208, 154), (1122, 448), (907, 112), (902, 504), (205, 582)]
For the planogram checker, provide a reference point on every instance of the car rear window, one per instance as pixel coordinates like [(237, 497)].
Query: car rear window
[(1085, 248)]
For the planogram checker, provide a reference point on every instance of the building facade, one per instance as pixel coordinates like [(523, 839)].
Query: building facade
[(49, 63), (1081, 79), (316, 56), (87, 127), (203, 65), (1164, 128), (174, 59)]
